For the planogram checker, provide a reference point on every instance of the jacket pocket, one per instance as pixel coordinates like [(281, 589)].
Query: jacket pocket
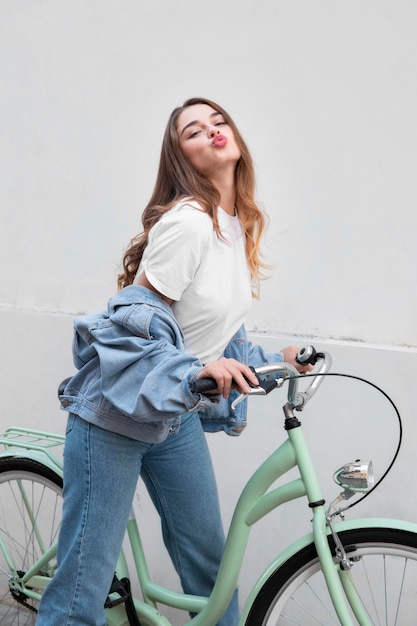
[(136, 318)]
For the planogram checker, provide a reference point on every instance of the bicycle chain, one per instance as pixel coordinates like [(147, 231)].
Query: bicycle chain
[(21, 598)]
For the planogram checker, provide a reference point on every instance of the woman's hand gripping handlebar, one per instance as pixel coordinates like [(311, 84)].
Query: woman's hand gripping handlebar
[(224, 375), (273, 375)]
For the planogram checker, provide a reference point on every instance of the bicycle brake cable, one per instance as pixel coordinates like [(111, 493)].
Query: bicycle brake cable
[(400, 426)]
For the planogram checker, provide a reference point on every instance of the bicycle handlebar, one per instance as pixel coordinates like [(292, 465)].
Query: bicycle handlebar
[(285, 371)]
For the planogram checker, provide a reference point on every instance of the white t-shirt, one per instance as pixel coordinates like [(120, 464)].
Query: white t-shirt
[(207, 277)]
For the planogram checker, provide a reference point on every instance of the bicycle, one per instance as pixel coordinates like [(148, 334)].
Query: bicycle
[(362, 571)]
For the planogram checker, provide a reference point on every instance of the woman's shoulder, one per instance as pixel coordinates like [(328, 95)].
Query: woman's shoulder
[(190, 207), (188, 215), (185, 221)]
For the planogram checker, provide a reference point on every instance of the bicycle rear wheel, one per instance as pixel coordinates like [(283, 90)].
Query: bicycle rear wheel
[(384, 573), (30, 517)]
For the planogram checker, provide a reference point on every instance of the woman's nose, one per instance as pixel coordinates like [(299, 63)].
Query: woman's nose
[(212, 130)]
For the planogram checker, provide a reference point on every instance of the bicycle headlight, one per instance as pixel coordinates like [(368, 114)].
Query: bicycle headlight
[(356, 476)]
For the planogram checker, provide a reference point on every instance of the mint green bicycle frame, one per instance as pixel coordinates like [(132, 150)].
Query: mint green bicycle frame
[(255, 502)]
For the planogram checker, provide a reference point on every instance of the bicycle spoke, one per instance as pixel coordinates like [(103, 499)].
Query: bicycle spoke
[(319, 601), (30, 501)]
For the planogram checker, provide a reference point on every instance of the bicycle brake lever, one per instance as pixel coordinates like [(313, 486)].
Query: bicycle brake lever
[(264, 387)]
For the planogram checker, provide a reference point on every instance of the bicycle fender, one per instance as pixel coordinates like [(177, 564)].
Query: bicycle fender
[(304, 541), (34, 455)]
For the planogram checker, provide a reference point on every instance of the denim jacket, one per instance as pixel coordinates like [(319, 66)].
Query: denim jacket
[(134, 376)]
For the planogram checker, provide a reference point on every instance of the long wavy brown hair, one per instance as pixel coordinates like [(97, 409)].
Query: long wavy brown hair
[(178, 179)]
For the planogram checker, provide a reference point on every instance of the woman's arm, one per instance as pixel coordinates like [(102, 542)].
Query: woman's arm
[(144, 282), (226, 372)]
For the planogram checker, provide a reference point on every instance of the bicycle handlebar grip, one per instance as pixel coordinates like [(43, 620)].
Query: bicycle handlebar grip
[(203, 385)]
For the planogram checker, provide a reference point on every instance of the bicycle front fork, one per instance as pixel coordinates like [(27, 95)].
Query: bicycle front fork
[(337, 573)]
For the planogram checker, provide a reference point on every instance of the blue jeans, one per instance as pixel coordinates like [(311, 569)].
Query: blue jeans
[(101, 470)]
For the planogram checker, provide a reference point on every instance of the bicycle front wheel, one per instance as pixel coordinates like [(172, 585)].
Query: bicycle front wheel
[(30, 517), (384, 572)]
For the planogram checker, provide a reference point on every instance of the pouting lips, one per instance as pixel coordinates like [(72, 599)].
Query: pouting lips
[(219, 141)]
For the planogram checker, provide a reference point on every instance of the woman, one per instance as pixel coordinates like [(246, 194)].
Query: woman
[(186, 287)]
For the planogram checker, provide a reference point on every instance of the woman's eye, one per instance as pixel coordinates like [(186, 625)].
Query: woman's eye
[(220, 123), (194, 133)]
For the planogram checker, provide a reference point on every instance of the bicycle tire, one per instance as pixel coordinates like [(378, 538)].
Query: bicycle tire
[(30, 517), (384, 572)]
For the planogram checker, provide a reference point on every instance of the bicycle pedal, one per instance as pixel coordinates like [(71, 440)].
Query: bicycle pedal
[(122, 590)]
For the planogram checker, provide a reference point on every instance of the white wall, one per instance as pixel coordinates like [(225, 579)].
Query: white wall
[(325, 94)]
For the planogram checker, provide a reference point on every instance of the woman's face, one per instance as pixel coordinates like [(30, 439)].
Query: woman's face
[(207, 140)]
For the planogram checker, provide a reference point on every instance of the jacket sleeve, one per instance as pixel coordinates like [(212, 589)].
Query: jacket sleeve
[(141, 371), (242, 349)]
